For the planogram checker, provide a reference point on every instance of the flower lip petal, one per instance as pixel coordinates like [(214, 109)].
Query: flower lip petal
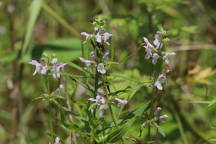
[(34, 62)]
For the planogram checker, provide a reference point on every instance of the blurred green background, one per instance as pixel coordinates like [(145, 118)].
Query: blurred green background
[(29, 28)]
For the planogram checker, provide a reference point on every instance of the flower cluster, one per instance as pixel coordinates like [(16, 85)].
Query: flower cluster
[(43, 67), (99, 35), (100, 66), (155, 51), (156, 114), (100, 99)]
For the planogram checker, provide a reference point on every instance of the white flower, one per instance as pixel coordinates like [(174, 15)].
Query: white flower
[(155, 58), (57, 140), (101, 69), (166, 54)]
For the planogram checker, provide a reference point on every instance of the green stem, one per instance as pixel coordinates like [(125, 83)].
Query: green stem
[(181, 129)]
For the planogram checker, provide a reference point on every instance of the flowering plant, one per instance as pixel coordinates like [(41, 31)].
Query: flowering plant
[(103, 117)]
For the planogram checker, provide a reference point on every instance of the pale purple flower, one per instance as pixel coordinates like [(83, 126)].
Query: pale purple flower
[(155, 58), (98, 37), (162, 77), (106, 55), (92, 55), (40, 69), (107, 37), (87, 62), (56, 70), (165, 57), (163, 116), (44, 69), (148, 48), (100, 99), (58, 90), (37, 64), (121, 102), (57, 140), (157, 110), (148, 52), (101, 69), (88, 36), (96, 30), (157, 41), (147, 42), (54, 60)]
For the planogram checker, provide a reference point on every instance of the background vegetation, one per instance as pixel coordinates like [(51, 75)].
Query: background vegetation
[(29, 28)]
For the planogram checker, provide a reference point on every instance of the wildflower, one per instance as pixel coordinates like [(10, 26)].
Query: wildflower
[(155, 58), (157, 110), (92, 55), (100, 99), (166, 54), (56, 70), (98, 37), (54, 60), (148, 48), (157, 41), (87, 62), (40, 68), (161, 78), (147, 42), (107, 37), (57, 140), (88, 36), (157, 115), (101, 69), (163, 116), (58, 90), (106, 55), (121, 102)]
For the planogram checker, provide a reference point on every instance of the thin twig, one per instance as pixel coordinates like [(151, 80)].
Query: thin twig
[(61, 20), (69, 107)]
